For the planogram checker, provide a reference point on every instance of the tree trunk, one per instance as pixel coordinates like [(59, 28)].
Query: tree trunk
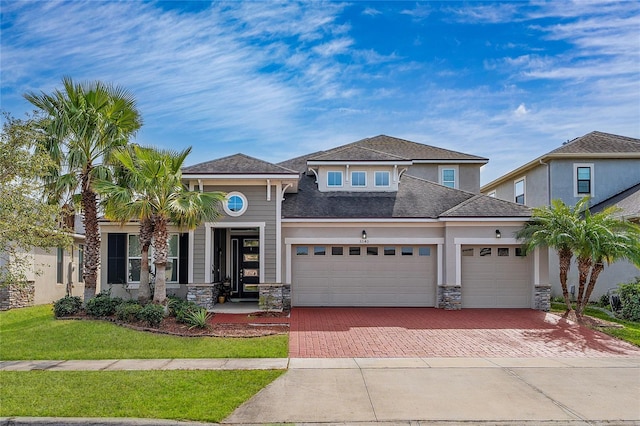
[(146, 235), (564, 259), (595, 272), (92, 237), (161, 248), (584, 266)]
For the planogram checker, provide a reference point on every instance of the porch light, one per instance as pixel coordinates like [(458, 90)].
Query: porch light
[(498, 234), (364, 234)]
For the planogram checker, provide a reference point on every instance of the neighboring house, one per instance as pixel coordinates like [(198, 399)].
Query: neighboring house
[(602, 166), (378, 222), (51, 274)]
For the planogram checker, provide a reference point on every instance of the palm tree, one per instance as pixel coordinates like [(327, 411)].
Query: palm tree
[(158, 194), (84, 123), (554, 226)]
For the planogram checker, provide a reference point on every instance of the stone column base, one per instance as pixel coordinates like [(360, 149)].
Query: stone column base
[(542, 301), (204, 295), (16, 295), (450, 297), (274, 297)]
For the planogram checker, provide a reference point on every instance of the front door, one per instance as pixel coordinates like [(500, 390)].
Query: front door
[(245, 265)]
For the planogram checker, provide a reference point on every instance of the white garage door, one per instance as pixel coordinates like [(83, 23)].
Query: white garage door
[(363, 275), (495, 277)]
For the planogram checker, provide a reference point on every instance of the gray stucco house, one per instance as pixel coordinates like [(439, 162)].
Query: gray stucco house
[(603, 166), (379, 222)]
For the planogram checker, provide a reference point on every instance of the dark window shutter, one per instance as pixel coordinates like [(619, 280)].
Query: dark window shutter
[(183, 260), (117, 259)]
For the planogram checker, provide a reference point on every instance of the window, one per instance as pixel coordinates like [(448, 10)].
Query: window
[(134, 258), (60, 265), (449, 178), (354, 251), (302, 251), (424, 251), (358, 178), (407, 251), (334, 179), (583, 178), (319, 251), (486, 251), (382, 178), (372, 251), (80, 262), (336, 251), (467, 252), (389, 251), (172, 259), (236, 204), (518, 189), (520, 252), (503, 251)]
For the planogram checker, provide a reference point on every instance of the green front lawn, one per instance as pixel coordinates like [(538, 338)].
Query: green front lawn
[(630, 332), (190, 395), (34, 334)]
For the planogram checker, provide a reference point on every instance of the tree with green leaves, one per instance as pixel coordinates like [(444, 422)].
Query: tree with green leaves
[(26, 221), (85, 122), (155, 191), (595, 239)]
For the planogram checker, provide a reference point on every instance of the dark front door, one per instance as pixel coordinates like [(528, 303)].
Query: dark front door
[(245, 266)]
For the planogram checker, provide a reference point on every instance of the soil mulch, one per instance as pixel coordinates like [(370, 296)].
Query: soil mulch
[(243, 326)]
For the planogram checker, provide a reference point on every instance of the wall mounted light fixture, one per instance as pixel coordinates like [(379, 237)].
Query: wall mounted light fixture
[(498, 234), (364, 234)]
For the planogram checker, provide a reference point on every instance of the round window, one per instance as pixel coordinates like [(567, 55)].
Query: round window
[(236, 204)]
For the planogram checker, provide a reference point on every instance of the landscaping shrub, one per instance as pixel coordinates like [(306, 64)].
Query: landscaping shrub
[(630, 297), (603, 302), (152, 314), (128, 311), (68, 305), (181, 309), (102, 305), (198, 319)]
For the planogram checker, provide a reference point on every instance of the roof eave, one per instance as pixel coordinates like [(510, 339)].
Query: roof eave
[(295, 176)]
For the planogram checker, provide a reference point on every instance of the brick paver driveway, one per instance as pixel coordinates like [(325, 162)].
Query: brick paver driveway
[(428, 332)]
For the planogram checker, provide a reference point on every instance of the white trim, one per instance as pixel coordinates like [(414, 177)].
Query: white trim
[(536, 266), (315, 173), (341, 178), (245, 204), (459, 242), (359, 163), (472, 219), (440, 263), (359, 241), (190, 259), (591, 183), (524, 190), (346, 220), (279, 199), (268, 189), (479, 161), (456, 175), (261, 176)]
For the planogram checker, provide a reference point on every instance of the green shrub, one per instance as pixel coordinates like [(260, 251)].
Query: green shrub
[(128, 311), (603, 302), (152, 314), (103, 305), (630, 297), (181, 309), (68, 305), (198, 319)]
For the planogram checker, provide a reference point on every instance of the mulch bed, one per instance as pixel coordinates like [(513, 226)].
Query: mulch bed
[(243, 326)]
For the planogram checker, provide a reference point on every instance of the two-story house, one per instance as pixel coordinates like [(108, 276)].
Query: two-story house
[(599, 165), (378, 222)]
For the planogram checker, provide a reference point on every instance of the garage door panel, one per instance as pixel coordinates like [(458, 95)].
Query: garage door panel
[(364, 280)]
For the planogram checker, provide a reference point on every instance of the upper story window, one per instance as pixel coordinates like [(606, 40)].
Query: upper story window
[(518, 190), (449, 178), (382, 178), (334, 179), (583, 179), (236, 204), (359, 179), (492, 194)]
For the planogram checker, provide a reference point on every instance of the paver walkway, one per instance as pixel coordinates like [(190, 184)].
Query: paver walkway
[(427, 332)]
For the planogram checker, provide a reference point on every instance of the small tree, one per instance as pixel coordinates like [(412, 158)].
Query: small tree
[(26, 221)]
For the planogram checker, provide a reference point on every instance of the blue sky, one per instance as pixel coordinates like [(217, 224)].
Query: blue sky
[(505, 80)]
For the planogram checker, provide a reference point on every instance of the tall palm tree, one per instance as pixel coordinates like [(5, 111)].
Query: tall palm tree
[(554, 226), (158, 193), (84, 123)]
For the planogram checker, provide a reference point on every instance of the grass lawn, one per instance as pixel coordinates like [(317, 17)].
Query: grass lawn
[(629, 333), (34, 334), (190, 395)]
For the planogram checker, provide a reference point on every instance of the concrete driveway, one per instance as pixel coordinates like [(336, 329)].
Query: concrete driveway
[(428, 332)]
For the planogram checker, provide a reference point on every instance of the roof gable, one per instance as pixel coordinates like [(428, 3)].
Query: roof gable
[(238, 164)]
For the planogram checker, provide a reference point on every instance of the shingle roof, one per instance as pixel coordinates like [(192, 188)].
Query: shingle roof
[(599, 143), (485, 206), (628, 201), (356, 153), (237, 164), (410, 150), (416, 198)]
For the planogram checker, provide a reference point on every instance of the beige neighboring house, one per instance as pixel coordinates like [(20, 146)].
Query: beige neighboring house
[(603, 166), (378, 222), (52, 272)]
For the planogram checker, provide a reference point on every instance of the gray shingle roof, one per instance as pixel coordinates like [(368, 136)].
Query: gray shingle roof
[(485, 206), (356, 153), (237, 164), (416, 198), (628, 201), (599, 143)]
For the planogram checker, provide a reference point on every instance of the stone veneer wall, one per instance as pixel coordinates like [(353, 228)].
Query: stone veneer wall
[(543, 298), (450, 297), (204, 295), (274, 297), (16, 296)]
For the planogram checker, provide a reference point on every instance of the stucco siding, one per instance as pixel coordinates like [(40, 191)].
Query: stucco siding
[(468, 175)]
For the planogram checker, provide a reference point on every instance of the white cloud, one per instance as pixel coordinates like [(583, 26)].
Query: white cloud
[(521, 111)]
